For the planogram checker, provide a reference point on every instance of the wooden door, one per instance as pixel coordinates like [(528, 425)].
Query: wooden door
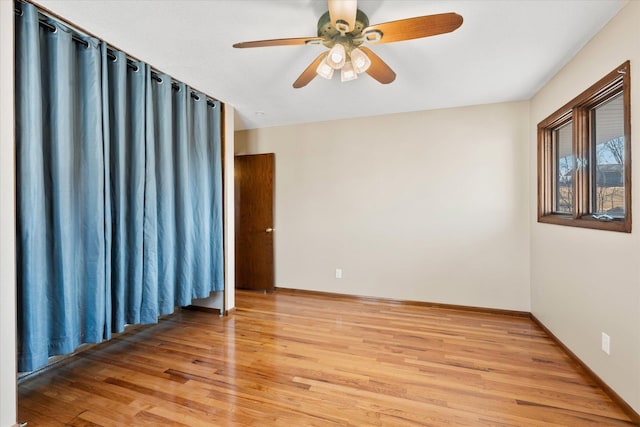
[(254, 184)]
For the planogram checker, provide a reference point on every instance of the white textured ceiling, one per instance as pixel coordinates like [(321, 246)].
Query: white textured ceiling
[(504, 51)]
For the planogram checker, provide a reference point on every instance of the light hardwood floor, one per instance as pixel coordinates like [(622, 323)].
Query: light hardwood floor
[(309, 360)]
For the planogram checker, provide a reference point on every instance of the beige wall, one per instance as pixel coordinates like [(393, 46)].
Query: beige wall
[(7, 222), (427, 206), (585, 282)]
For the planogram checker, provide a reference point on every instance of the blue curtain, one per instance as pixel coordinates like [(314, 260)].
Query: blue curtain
[(119, 191), (60, 191)]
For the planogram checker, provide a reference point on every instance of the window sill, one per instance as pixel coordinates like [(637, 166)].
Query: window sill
[(619, 225)]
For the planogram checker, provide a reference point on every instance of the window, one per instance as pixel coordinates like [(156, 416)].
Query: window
[(584, 158)]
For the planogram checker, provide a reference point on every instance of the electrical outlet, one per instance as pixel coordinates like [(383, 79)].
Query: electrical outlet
[(606, 343), (338, 273)]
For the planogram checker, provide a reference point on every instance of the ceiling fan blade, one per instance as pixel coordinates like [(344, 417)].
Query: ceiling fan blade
[(310, 72), (280, 42), (412, 28), (378, 69), (343, 14)]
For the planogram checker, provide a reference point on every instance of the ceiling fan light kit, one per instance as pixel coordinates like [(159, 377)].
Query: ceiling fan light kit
[(350, 65), (325, 70), (360, 60), (348, 72), (337, 56), (344, 28)]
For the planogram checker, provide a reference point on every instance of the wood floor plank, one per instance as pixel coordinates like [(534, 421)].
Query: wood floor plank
[(309, 360)]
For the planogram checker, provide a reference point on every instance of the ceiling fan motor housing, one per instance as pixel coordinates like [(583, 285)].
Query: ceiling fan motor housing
[(332, 36)]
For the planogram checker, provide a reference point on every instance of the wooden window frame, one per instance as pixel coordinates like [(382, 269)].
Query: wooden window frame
[(579, 111)]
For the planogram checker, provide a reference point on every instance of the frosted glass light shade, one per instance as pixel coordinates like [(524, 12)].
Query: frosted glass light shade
[(360, 60), (337, 56), (324, 70), (348, 72)]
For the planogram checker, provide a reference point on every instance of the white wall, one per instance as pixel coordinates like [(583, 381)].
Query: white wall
[(585, 282), (428, 206), (229, 210), (7, 222)]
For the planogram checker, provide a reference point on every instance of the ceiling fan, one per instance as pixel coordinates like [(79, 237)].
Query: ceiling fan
[(344, 29)]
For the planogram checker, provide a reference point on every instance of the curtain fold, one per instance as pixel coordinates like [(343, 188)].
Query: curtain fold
[(164, 234), (185, 234), (201, 193), (214, 135), (119, 192), (108, 218), (127, 138)]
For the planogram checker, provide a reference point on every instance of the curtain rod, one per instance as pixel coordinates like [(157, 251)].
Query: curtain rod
[(154, 74), (52, 28)]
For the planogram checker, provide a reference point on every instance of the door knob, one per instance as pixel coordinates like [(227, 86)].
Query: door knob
[(270, 230)]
